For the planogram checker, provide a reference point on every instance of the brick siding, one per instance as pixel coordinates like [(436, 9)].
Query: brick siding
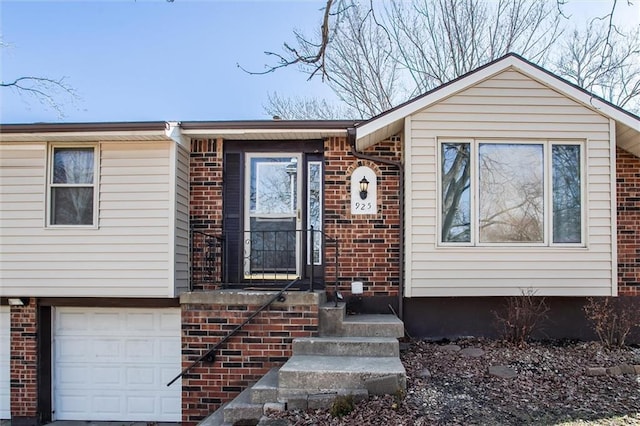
[(628, 201), (369, 244), (262, 344), (24, 361), (206, 191)]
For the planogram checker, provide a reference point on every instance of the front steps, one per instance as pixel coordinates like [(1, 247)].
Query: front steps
[(355, 355)]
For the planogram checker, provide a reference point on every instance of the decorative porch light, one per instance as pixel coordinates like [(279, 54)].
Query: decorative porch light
[(364, 188)]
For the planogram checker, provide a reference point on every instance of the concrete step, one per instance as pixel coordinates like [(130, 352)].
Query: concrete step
[(266, 389), (347, 346), (242, 410), (330, 319), (216, 418), (318, 374), (372, 325), (301, 399)]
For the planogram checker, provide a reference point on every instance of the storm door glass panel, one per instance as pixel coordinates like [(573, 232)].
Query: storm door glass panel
[(271, 239), (314, 211), (567, 196), (511, 193), (456, 193)]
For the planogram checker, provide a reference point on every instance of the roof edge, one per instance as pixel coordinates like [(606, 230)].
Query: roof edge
[(268, 124), (137, 126)]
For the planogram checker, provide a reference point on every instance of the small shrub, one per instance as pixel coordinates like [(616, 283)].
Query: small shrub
[(520, 317), (398, 397), (613, 318), (342, 406)]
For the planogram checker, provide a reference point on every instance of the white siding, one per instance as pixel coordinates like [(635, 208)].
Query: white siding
[(129, 254), (182, 220), (511, 106)]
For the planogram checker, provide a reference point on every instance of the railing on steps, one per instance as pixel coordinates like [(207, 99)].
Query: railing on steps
[(268, 257), (210, 355), (207, 257)]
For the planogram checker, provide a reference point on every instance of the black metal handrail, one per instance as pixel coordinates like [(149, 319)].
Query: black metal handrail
[(210, 355), (207, 257), (269, 255)]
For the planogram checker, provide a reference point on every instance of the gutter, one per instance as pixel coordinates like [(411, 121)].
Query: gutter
[(351, 137)]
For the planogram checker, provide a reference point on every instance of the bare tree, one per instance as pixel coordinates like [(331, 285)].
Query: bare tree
[(375, 56), (604, 61), (49, 92), (305, 108)]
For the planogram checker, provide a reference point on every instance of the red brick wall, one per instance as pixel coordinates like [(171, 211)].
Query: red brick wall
[(628, 201), (369, 244), (24, 361), (262, 344), (206, 193)]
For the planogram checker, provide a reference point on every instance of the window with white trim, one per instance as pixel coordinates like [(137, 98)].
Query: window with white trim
[(511, 193), (72, 185)]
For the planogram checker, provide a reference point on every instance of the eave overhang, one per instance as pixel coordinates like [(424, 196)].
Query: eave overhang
[(391, 122), (85, 132)]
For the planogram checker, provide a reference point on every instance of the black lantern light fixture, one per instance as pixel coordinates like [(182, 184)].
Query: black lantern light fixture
[(364, 188)]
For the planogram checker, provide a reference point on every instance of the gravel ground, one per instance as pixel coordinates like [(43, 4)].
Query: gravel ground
[(452, 383)]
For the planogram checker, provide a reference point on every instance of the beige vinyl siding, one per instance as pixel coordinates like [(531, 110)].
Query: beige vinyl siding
[(508, 106), (182, 220), (129, 253)]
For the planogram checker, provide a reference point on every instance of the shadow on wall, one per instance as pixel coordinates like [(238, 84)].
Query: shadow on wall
[(455, 317)]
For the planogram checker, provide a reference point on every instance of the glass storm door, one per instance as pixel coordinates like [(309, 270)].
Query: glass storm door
[(272, 216)]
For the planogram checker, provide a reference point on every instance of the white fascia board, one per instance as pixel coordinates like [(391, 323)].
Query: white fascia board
[(434, 97), (577, 95), (89, 136), (485, 73), (249, 132)]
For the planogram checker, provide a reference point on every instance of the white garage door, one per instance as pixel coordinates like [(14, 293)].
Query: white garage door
[(5, 331), (114, 364)]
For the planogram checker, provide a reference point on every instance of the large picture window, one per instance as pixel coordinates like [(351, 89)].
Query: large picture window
[(510, 193), (72, 186)]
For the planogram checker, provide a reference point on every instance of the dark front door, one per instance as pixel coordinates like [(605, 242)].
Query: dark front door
[(273, 197)]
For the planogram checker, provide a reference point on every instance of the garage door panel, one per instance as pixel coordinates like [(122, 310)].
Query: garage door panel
[(141, 322), (125, 366), (140, 348), (5, 349), (142, 405), (141, 377)]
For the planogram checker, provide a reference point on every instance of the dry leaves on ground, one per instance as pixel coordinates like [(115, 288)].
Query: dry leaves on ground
[(450, 384)]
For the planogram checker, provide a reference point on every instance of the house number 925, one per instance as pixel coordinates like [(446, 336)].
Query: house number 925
[(363, 206)]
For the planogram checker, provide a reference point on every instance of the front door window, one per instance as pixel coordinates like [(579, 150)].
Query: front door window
[(271, 241)]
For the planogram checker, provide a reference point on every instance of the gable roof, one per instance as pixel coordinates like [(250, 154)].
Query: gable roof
[(391, 122)]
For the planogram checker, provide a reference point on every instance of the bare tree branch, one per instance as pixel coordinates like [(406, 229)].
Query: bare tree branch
[(44, 90), (377, 55), (309, 53)]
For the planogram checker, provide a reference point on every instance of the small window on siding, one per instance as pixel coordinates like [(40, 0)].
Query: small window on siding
[(72, 186), (456, 195), (567, 194)]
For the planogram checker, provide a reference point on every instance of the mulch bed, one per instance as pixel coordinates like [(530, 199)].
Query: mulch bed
[(486, 382)]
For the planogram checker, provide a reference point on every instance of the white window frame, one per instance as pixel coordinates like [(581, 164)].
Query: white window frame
[(95, 185), (547, 192)]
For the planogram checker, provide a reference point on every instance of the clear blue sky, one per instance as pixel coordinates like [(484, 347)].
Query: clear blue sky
[(152, 60)]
